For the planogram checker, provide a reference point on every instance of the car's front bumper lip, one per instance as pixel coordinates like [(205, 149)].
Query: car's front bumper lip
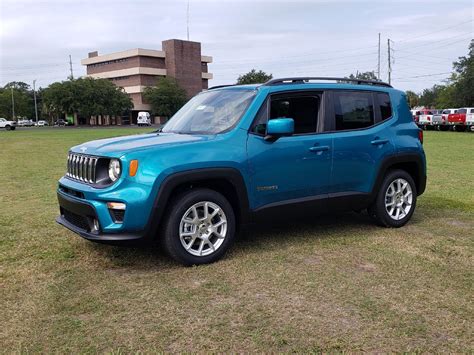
[(85, 210), (100, 237)]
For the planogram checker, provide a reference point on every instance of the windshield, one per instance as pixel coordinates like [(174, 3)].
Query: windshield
[(211, 112)]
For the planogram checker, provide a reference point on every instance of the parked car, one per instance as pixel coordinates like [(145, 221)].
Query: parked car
[(470, 119), (143, 119), (457, 121), (42, 123), (416, 115), (425, 118), (441, 120), (60, 122), (245, 154), (8, 125)]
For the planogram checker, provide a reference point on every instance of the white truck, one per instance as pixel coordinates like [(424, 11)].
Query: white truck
[(470, 119), (8, 125), (143, 119)]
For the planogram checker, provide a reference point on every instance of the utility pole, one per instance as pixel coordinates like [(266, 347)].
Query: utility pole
[(34, 96), (378, 62), (389, 63), (70, 67), (13, 103), (187, 21)]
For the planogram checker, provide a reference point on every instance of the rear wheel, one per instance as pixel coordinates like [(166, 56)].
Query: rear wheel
[(8, 127), (199, 227), (395, 201)]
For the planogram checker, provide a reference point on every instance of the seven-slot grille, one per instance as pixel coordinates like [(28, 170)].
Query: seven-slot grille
[(82, 167)]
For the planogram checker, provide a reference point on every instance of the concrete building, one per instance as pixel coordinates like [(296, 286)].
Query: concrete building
[(135, 69)]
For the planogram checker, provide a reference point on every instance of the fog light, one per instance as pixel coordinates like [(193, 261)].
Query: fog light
[(117, 211), (95, 226), (116, 206)]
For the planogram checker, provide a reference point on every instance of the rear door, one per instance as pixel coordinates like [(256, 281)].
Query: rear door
[(359, 125)]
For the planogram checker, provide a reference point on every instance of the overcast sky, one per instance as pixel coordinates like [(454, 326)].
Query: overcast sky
[(285, 38)]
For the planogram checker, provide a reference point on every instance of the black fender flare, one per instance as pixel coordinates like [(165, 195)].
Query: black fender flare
[(231, 175), (394, 160)]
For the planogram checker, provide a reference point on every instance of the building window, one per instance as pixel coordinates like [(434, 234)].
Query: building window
[(121, 60)]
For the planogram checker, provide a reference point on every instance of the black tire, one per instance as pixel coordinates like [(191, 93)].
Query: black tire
[(443, 128), (8, 127), (170, 239), (378, 211)]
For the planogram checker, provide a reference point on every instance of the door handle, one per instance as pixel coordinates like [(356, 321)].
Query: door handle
[(317, 149), (379, 141)]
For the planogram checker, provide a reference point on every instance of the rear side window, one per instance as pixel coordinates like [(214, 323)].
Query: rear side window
[(462, 110), (385, 105), (353, 110)]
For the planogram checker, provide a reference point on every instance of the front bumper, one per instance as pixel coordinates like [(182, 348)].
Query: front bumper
[(79, 216)]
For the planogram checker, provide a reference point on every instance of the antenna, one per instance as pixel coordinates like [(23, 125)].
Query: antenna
[(187, 21)]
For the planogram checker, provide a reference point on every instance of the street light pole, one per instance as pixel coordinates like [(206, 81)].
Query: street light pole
[(36, 106), (13, 103)]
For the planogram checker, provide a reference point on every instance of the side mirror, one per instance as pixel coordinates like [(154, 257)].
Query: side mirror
[(279, 127)]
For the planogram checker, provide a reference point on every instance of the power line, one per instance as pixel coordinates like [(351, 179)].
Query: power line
[(430, 33), (422, 76)]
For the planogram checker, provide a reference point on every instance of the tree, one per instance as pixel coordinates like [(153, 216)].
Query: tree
[(368, 75), (412, 98), (254, 77), (166, 98), (463, 79), (85, 97), (23, 97)]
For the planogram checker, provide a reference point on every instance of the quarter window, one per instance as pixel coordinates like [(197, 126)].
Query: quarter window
[(353, 110), (385, 105)]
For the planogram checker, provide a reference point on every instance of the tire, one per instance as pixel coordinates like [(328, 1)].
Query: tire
[(386, 216), (8, 127), (188, 242)]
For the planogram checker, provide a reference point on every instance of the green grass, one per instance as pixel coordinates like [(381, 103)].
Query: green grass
[(332, 284)]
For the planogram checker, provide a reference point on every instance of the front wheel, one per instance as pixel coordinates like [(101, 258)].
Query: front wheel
[(395, 201), (199, 227), (8, 127)]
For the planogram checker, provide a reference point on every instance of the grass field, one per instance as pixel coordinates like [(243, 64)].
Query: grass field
[(332, 284)]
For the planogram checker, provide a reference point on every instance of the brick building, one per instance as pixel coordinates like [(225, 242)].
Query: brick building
[(135, 69)]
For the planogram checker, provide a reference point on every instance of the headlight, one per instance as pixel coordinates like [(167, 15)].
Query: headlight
[(114, 169)]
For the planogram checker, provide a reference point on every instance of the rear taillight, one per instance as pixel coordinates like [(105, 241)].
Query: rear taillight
[(420, 136), (429, 119)]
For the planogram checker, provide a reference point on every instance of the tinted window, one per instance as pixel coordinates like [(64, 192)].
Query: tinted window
[(385, 105), (353, 110), (472, 110), (302, 109), (462, 110)]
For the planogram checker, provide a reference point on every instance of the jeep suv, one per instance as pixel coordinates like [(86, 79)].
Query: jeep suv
[(236, 155)]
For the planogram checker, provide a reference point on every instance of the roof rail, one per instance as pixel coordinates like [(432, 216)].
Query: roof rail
[(302, 80), (221, 86)]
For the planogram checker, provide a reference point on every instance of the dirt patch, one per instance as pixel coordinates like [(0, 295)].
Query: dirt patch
[(367, 267)]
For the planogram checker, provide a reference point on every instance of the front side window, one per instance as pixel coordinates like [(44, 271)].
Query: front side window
[(302, 108), (210, 112), (353, 110)]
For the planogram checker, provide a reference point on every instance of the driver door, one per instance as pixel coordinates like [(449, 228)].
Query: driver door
[(291, 169)]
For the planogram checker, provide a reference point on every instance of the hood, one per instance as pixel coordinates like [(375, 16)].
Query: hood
[(119, 146)]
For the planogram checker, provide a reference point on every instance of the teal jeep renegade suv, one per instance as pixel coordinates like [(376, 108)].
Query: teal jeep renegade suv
[(236, 155)]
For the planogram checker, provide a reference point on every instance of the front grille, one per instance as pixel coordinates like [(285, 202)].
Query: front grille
[(82, 167), (79, 221)]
